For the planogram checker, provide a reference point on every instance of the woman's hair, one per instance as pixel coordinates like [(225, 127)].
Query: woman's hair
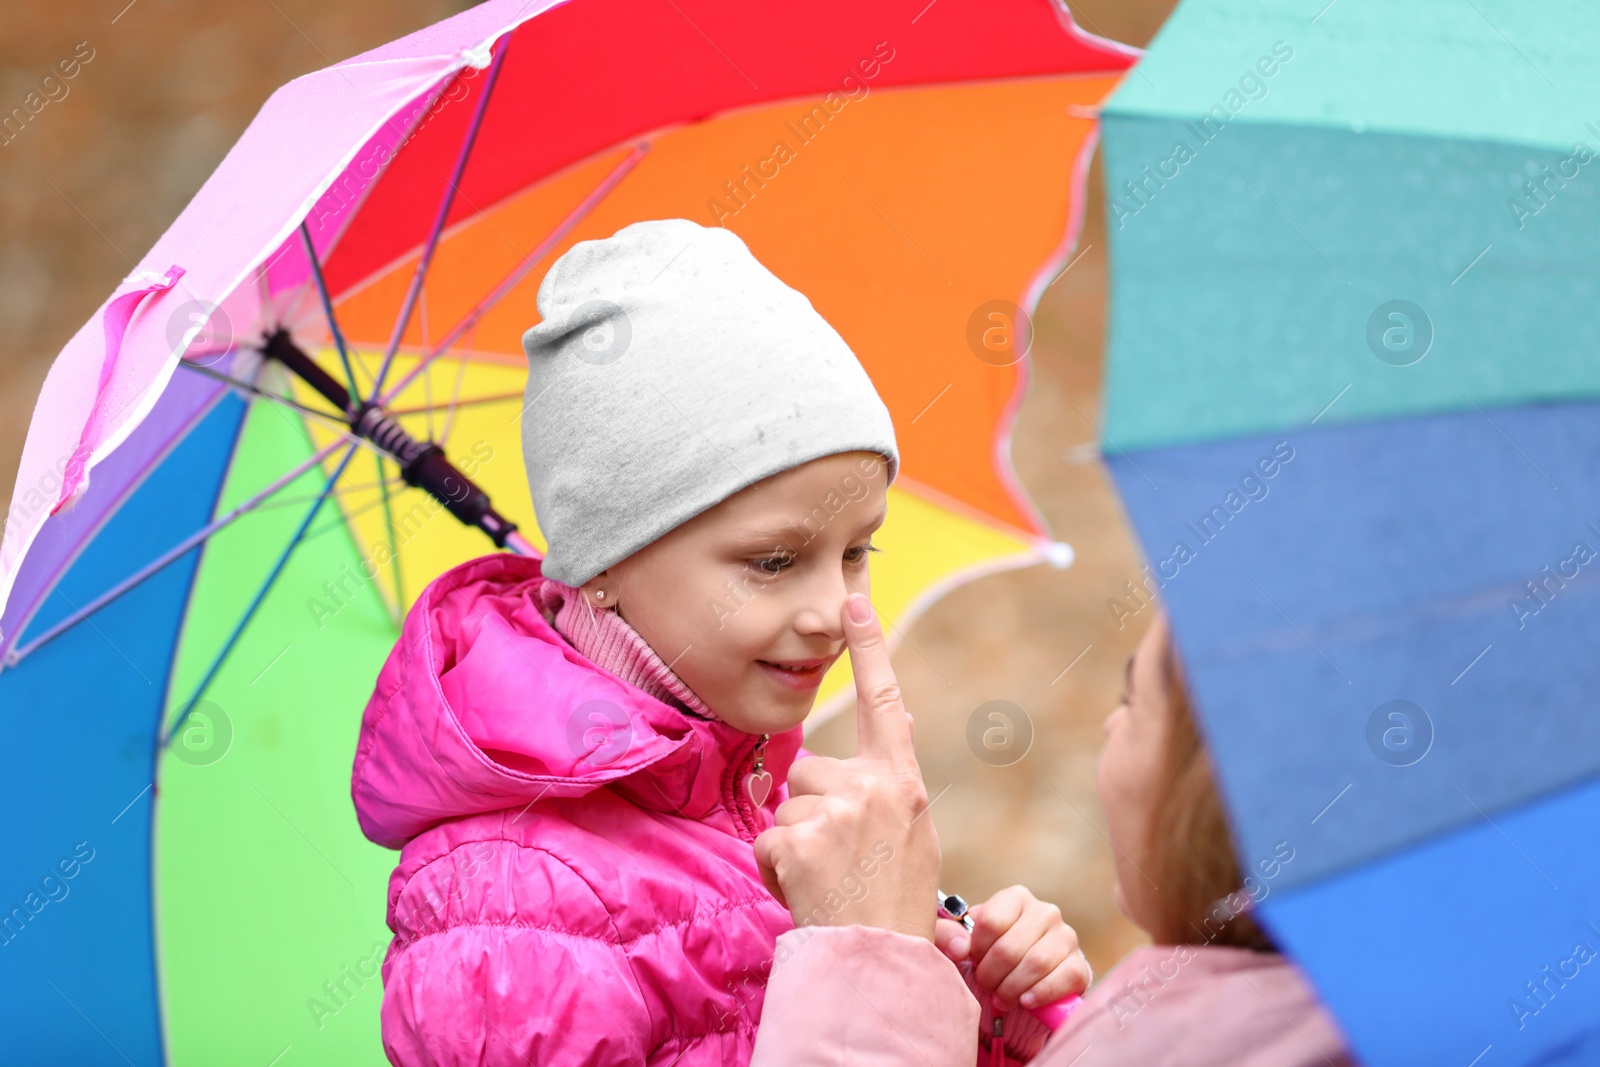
[(1200, 896)]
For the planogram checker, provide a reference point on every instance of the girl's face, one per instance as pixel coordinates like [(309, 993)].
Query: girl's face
[(743, 600), (1130, 770)]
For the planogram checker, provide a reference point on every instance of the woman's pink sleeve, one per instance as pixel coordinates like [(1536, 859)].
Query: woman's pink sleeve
[(864, 997)]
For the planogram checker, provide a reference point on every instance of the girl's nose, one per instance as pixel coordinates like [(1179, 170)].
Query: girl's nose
[(823, 601)]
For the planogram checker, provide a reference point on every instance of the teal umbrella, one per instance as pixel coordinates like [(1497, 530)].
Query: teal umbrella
[(1352, 413)]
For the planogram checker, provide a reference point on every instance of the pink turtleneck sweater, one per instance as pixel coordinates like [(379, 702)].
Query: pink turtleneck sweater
[(605, 639)]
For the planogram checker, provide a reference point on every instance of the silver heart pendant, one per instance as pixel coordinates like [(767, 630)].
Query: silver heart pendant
[(759, 785)]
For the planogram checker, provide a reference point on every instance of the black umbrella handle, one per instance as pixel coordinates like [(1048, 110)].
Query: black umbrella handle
[(422, 463)]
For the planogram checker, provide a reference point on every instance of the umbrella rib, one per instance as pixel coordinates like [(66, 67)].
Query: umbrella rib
[(264, 290), (344, 492), (261, 595), (327, 307), (421, 273), (168, 556), (427, 382), (520, 271), (343, 520), (394, 550), (473, 401), (427, 402), (256, 390), (455, 398)]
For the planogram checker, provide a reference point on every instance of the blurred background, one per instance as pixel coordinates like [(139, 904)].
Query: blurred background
[(167, 86)]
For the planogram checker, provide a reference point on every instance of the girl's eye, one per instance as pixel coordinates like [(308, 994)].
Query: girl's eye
[(773, 565), (858, 554)]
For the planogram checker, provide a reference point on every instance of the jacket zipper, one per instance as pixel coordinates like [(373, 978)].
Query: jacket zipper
[(739, 800)]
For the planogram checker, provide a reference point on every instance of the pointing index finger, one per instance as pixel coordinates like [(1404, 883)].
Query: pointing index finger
[(882, 728)]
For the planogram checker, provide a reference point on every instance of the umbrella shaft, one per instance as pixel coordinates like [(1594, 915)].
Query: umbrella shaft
[(422, 463)]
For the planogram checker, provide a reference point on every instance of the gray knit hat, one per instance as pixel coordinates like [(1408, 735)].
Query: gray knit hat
[(671, 370)]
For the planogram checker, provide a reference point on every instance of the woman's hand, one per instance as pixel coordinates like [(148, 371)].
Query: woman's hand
[(850, 845), (1021, 950)]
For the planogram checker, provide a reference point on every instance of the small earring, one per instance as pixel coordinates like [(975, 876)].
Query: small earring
[(599, 594)]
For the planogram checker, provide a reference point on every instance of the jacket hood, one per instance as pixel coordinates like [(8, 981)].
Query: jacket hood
[(482, 705)]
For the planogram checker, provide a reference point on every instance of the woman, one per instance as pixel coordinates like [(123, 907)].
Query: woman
[(872, 988)]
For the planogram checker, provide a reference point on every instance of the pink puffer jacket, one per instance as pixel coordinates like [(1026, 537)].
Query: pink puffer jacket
[(576, 881)]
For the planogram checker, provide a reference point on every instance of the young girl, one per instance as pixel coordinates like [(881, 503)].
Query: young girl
[(1212, 991), (574, 756)]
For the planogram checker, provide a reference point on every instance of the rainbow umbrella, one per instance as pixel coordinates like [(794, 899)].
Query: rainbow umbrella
[(304, 405), (1352, 411)]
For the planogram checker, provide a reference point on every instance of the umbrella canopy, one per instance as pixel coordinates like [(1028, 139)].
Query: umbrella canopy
[(207, 555), (1352, 414)]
